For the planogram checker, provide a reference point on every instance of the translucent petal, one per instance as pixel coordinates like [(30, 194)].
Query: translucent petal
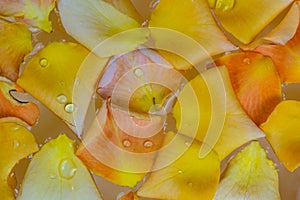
[(11, 7), (249, 175), (192, 18), (186, 175), (11, 107), (15, 44), (255, 82), (244, 20), (56, 173), (93, 22), (121, 147), (282, 131), (208, 101), (16, 143)]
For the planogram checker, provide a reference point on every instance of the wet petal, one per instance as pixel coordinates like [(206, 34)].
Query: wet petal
[(207, 102), (15, 44), (245, 20), (186, 176), (52, 76), (286, 58), (282, 131), (141, 78), (255, 82), (11, 107), (249, 175), (93, 22), (200, 27), (119, 147), (16, 143), (56, 173)]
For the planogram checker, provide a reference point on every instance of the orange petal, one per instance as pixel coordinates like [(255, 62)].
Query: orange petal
[(245, 20), (129, 196), (200, 27), (249, 175), (140, 80), (16, 143), (11, 107), (282, 131), (255, 82), (50, 76), (120, 147), (286, 58), (180, 173), (208, 110), (15, 43)]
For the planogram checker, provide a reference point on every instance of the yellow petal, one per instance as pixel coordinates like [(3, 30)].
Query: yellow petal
[(62, 77), (249, 175), (94, 22), (16, 143), (56, 173), (179, 172), (193, 19), (208, 110), (244, 19), (283, 130), (15, 44)]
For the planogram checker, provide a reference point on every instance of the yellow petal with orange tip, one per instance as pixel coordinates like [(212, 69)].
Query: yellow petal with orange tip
[(244, 19), (50, 76), (255, 82), (121, 147), (11, 107), (208, 101), (15, 44), (95, 22), (16, 143), (286, 58), (179, 172), (282, 130), (249, 175), (192, 18)]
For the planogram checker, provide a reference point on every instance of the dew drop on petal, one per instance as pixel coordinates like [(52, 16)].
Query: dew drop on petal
[(180, 171), (43, 62), (70, 108), (126, 143), (67, 169), (148, 144), (247, 61), (16, 144), (138, 72), (62, 99)]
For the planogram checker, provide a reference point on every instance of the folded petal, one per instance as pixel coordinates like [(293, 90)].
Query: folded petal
[(185, 175), (16, 143), (56, 173), (121, 147), (12, 107), (249, 175), (282, 131), (255, 82), (15, 44), (53, 75), (194, 20), (245, 20), (93, 22), (208, 110)]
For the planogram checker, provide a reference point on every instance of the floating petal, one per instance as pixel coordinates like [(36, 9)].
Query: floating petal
[(255, 82), (16, 143), (283, 132), (249, 175), (15, 44), (186, 175), (56, 173), (207, 102)]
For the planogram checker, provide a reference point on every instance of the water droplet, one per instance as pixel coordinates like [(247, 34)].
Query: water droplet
[(62, 99), (70, 108), (138, 72), (30, 156), (16, 144), (43, 62), (126, 143), (148, 144), (67, 169), (52, 176), (187, 144), (247, 61), (190, 184), (72, 188), (153, 4), (225, 5), (180, 171)]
